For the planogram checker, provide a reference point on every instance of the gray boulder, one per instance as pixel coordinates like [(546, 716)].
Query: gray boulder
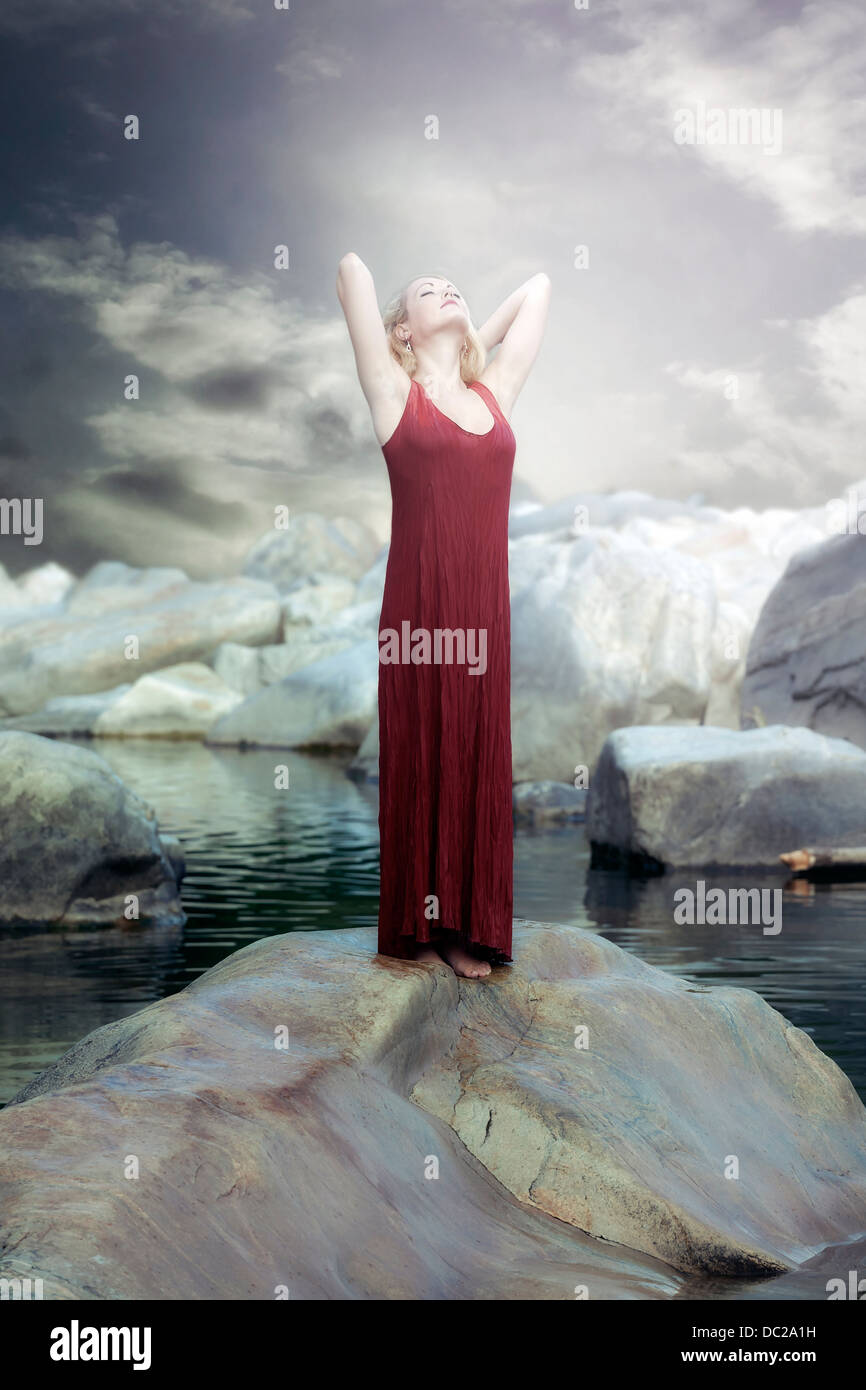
[(76, 844), (723, 797), (807, 658)]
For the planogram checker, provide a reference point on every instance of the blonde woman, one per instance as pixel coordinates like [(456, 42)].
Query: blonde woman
[(440, 413)]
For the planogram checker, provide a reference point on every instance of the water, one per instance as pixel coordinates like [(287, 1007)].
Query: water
[(261, 861)]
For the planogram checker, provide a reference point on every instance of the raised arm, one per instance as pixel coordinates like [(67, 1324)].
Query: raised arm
[(518, 325), (377, 369)]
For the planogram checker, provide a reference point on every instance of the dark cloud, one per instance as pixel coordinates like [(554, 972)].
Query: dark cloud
[(308, 128), (233, 389), (161, 486), (11, 447)]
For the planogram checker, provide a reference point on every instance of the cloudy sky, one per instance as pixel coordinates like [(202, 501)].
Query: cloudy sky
[(707, 338)]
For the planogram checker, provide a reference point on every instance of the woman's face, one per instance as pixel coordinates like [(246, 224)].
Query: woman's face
[(432, 304)]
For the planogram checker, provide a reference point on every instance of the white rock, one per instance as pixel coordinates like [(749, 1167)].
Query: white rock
[(48, 583), (318, 602), (329, 703), (180, 701), (153, 621), (312, 544), (619, 634)]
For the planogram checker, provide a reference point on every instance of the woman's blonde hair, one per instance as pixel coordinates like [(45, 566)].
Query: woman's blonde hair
[(472, 355)]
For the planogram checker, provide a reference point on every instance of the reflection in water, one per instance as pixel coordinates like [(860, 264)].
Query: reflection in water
[(261, 861)]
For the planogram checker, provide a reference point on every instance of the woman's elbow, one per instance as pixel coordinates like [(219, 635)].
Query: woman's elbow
[(349, 268)]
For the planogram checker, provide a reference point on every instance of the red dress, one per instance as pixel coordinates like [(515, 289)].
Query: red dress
[(445, 820)]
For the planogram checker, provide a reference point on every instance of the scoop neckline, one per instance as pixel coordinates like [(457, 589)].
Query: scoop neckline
[(473, 433)]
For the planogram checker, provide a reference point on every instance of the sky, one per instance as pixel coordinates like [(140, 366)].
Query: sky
[(708, 311)]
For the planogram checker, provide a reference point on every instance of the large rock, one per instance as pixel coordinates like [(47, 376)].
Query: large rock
[(326, 704), (807, 659), (709, 796), (111, 585), (45, 584), (76, 843), (248, 669), (614, 634), (311, 544), (318, 602), (85, 648), (180, 701), (68, 716), (313, 1116)]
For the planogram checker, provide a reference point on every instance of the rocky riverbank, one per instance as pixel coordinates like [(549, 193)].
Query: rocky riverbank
[(625, 610)]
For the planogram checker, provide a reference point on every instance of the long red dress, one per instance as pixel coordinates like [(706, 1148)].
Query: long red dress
[(445, 820)]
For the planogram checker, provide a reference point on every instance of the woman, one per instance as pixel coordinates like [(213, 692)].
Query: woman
[(440, 413)]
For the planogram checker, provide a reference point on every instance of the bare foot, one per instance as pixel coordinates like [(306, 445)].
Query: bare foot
[(462, 963), (426, 955)]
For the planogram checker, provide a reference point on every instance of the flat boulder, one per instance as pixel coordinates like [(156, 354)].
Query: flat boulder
[(723, 797), (77, 846), (119, 624), (309, 1115)]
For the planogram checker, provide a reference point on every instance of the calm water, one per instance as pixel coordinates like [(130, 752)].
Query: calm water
[(261, 861)]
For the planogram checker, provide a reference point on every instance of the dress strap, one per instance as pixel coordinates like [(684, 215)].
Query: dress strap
[(491, 399)]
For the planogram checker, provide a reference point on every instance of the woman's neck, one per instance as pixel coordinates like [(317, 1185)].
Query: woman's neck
[(438, 365)]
